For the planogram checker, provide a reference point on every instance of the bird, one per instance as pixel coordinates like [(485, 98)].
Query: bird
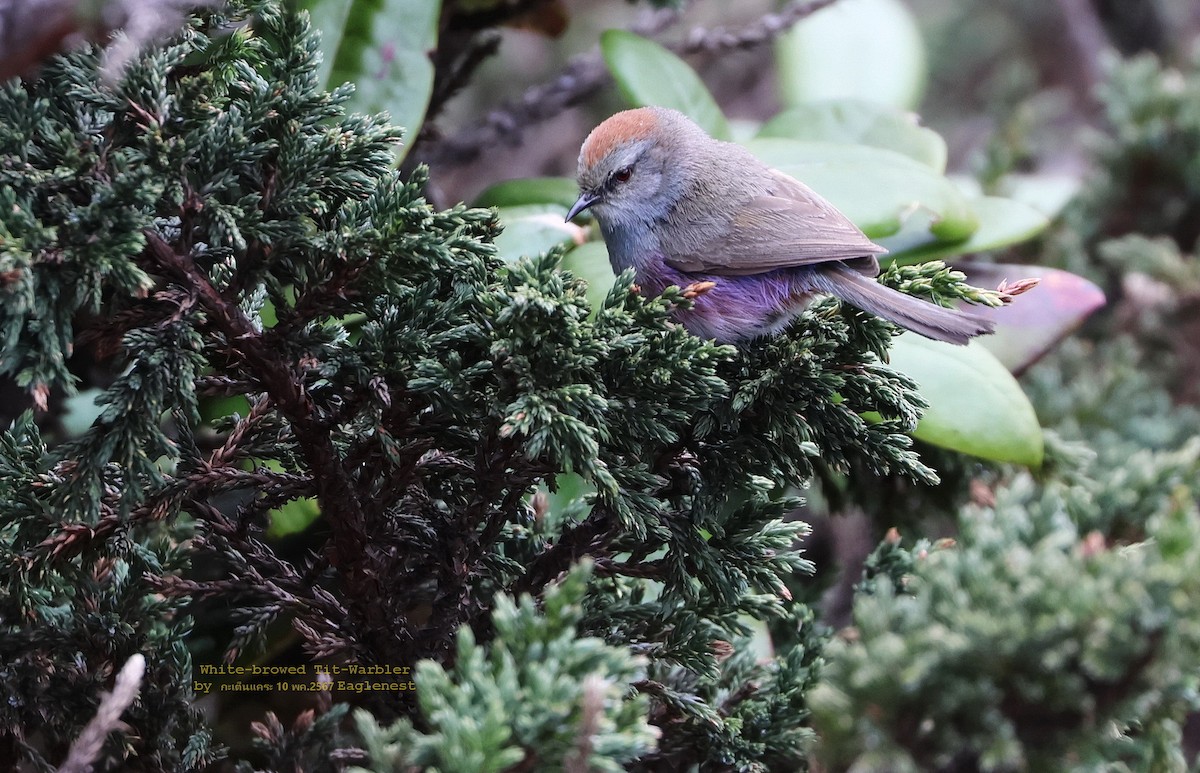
[(748, 244)]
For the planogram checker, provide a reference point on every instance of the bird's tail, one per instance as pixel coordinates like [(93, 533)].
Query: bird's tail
[(928, 319)]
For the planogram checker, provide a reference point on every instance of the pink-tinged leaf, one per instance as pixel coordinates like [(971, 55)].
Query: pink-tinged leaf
[(1039, 318)]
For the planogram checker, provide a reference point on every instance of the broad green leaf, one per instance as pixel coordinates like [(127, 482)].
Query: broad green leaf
[(879, 190), (569, 497), (382, 47), (534, 228), (1038, 319), (648, 74), (1047, 193), (213, 408), (530, 190), (855, 49), (268, 315), (80, 411), (976, 406), (855, 122), (589, 261), (328, 17), (1002, 222), (760, 640), (293, 518)]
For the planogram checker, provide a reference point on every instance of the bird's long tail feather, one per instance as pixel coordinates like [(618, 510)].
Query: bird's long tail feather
[(928, 319)]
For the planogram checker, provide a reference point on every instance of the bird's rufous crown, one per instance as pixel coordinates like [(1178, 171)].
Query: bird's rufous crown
[(622, 128)]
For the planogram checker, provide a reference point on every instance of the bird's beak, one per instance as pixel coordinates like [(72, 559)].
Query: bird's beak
[(585, 200)]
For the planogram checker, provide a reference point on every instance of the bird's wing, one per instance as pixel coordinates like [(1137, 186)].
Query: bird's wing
[(788, 226)]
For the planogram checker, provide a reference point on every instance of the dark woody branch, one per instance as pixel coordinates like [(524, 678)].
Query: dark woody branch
[(284, 386)]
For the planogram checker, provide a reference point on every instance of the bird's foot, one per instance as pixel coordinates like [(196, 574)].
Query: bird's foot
[(696, 289)]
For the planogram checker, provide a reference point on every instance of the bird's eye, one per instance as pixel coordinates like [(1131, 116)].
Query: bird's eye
[(623, 174)]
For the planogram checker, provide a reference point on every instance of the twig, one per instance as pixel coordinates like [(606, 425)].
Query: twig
[(590, 712), (456, 65), (590, 535), (763, 30), (71, 539), (582, 76), (652, 570), (494, 16), (585, 74), (505, 125), (260, 572), (108, 717), (466, 38), (229, 450), (221, 386)]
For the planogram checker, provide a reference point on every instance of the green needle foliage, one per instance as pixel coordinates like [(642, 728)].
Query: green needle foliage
[(215, 227), (67, 625)]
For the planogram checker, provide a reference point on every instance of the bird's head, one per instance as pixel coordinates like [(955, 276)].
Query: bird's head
[(629, 168)]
